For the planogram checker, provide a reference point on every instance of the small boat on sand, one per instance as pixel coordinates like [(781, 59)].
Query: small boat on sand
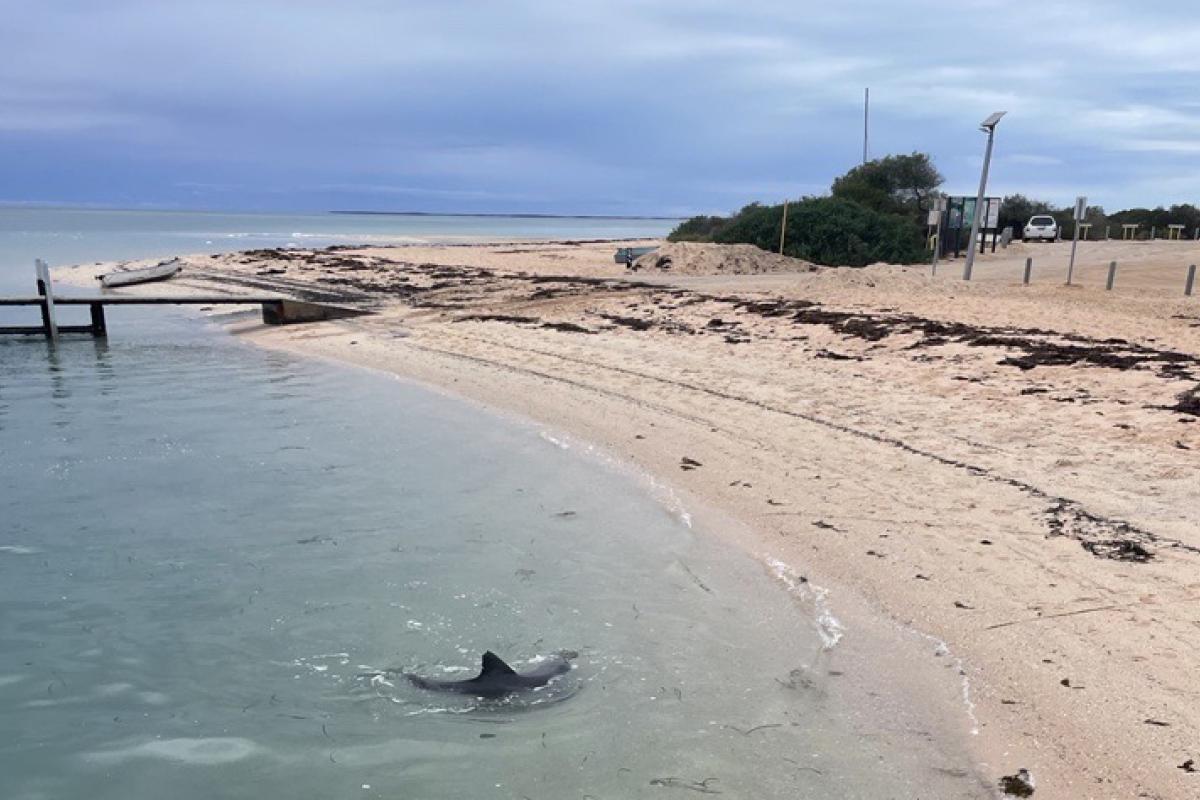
[(627, 255), (128, 277)]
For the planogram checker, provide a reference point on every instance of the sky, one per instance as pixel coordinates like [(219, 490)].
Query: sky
[(586, 106)]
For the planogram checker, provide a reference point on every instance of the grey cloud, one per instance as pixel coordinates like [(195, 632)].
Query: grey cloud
[(639, 106)]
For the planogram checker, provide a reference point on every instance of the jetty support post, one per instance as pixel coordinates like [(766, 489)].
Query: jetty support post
[(99, 327), (1112, 274), (46, 290), (1028, 270), (1191, 281)]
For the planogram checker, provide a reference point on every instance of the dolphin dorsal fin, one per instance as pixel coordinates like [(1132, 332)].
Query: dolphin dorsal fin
[(494, 665)]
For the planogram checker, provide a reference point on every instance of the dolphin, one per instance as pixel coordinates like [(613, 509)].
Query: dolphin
[(497, 679)]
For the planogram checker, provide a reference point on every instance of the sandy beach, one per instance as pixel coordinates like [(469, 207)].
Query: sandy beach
[(1013, 470)]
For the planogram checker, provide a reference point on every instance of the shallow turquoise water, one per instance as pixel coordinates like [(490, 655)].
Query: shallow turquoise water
[(204, 545)]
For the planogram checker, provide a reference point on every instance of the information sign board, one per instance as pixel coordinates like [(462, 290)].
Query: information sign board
[(991, 216)]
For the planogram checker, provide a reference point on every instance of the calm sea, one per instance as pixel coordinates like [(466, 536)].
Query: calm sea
[(208, 553)]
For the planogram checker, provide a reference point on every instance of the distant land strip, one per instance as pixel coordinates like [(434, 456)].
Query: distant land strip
[(500, 215)]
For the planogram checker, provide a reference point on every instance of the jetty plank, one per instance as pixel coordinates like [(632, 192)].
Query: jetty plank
[(276, 310)]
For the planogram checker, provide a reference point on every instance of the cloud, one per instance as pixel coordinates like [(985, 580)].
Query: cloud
[(1033, 159), (581, 106)]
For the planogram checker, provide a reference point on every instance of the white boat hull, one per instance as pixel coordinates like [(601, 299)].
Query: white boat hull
[(129, 277)]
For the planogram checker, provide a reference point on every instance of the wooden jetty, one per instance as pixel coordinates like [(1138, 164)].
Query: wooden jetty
[(276, 310)]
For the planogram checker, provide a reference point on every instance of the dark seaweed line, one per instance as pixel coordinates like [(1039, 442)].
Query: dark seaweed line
[(296, 288), (1118, 353), (514, 319), (1111, 353), (1059, 512), (1114, 353)]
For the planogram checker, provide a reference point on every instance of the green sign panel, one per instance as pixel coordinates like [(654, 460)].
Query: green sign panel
[(960, 213)]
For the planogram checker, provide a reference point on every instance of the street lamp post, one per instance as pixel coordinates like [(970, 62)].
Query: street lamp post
[(989, 126)]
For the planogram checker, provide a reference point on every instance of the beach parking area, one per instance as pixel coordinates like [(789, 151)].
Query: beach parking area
[(1012, 470)]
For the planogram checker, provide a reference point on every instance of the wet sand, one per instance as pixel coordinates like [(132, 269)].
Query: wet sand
[(1011, 470)]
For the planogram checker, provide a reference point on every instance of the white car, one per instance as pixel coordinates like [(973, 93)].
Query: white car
[(1041, 227)]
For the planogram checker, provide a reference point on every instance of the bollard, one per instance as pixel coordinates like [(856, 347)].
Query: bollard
[(1112, 274), (1028, 270), (783, 228), (1191, 280)]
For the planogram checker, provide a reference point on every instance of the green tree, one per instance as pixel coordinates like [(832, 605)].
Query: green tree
[(1187, 215), (892, 185)]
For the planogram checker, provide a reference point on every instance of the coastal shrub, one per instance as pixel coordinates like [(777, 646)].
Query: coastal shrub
[(824, 230), (876, 212), (833, 231), (697, 229), (1157, 218), (828, 230), (755, 224)]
